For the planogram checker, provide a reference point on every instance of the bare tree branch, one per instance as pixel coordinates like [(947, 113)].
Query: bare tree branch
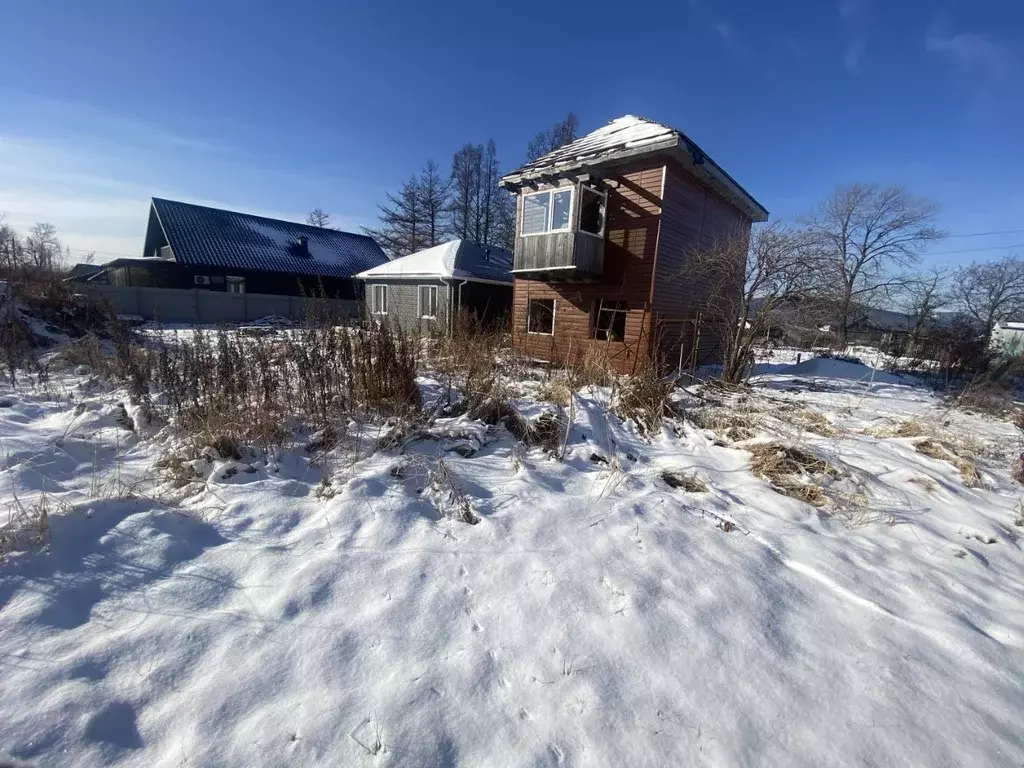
[(991, 291), (866, 237)]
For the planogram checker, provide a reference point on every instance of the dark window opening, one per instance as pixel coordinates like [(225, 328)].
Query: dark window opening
[(540, 316), (609, 320), (592, 205)]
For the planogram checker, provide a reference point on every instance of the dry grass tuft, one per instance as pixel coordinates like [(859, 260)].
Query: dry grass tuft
[(689, 483), (908, 428), (775, 459), (555, 392), (934, 449), (546, 431), (27, 526), (925, 482), (854, 509), (792, 471), (911, 428), (449, 498), (1018, 469), (644, 398), (814, 421), (811, 493), (726, 422), (472, 359)]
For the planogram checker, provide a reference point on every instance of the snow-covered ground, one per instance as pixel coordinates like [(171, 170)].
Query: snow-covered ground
[(595, 616)]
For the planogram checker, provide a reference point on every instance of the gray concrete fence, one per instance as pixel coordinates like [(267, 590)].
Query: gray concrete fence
[(176, 305)]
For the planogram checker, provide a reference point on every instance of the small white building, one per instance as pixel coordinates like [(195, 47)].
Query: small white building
[(1008, 338)]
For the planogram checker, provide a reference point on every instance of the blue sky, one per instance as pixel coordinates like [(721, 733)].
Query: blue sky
[(280, 107)]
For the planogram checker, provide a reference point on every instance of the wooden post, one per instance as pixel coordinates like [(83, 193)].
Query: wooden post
[(696, 346), (640, 338), (682, 345)]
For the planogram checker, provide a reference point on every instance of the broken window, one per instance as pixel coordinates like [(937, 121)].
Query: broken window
[(592, 207), (609, 320), (540, 316)]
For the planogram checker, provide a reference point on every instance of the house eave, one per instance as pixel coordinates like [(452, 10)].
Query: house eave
[(682, 149), (434, 277)]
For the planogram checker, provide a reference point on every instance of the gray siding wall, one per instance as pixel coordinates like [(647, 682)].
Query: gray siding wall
[(403, 304)]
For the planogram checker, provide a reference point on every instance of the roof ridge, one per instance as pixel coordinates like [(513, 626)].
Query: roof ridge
[(261, 218)]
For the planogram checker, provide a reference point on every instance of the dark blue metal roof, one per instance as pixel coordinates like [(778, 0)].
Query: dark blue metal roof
[(213, 237)]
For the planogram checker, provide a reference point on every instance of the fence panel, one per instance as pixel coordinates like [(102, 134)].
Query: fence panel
[(171, 305)]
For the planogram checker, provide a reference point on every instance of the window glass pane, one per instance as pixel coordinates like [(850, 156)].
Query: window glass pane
[(540, 316), (562, 208), (380, 299), (591, 211), (535, 213), (428, 300)]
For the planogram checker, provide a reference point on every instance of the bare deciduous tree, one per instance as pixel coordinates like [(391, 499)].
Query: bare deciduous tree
[(921, 297), (866, 236), (991, 291), (318, 217), (560, 134), (749, 280), (11, 249), (42, 246)]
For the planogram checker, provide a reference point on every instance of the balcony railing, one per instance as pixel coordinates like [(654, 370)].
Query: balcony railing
[(559, 255)]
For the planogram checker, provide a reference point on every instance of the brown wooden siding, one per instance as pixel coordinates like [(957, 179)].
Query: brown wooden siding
[(693, 216), (634, 210)]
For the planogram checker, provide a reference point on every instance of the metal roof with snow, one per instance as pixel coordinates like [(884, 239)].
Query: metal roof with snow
[(202, 236), (628, 137), (457, 259)]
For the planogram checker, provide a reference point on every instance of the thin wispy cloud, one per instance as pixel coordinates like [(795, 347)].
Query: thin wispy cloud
[(854, 16), (851, 9), (972, 54), (854, 54), (727, 33), (985, 67), (723, 28)]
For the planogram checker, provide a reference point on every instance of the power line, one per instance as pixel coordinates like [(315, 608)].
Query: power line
[(985, 234), (976, 250)]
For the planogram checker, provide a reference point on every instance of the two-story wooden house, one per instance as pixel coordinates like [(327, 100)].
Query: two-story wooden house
[(606, 228)]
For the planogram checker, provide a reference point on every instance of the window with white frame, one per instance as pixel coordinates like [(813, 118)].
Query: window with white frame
[(547, 211), (592, 210), (428, 301), (379, 299), (540, 316), (609, 320), (236, 284)]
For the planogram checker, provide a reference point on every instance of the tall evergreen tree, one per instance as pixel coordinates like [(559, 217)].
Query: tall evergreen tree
[(504, 220), (403, 227), (318, 217), (489, 192), (466, 214), (434, 194)]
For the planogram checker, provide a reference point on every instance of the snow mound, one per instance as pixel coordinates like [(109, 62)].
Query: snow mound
[(827, 367), (592, 615)]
